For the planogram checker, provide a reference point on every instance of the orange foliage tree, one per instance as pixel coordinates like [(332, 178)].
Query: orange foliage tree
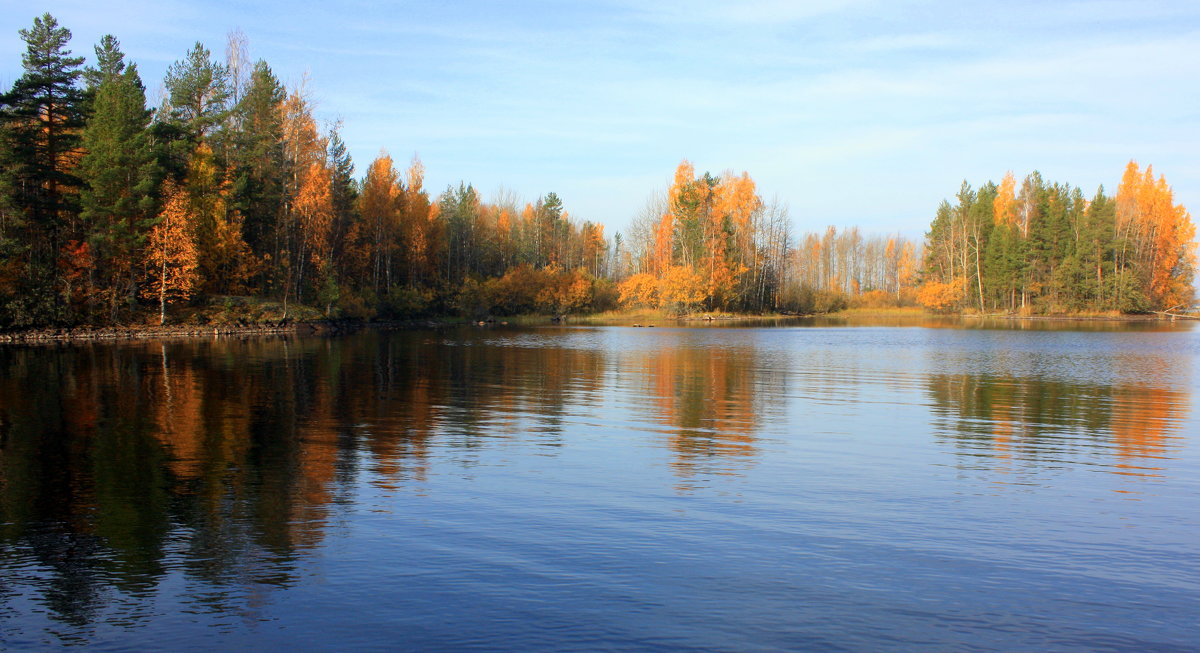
[(171, 255), (639, 290), (939, 296), (1156, 237), (681, 289), (710, 239), (314, 208), (381, 216), (223, 258)]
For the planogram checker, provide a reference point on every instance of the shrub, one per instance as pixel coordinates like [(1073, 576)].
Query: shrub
[(938, 296), (352, 305)]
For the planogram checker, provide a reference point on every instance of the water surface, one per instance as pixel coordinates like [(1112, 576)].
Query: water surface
[(824, 486)]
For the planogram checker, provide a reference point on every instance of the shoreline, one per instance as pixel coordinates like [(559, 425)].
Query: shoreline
[(1133, 317), (54, 335), (1078, 317), (60, 335)]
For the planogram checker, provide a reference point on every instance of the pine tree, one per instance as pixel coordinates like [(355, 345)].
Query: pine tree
[(197, 105), (1091, 262), (110, 62), (42, 115), (548, 214), (198, 88), (460, 209)]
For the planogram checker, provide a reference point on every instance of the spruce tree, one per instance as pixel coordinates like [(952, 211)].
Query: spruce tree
[(258, 158), (345, 194), (120, 173), (110, 62)]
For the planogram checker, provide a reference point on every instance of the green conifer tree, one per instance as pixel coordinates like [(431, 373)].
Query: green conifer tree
[(120, 172), (258, 160), (42, 116)]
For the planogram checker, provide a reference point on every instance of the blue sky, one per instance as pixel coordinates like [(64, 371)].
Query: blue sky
[(851, 112)]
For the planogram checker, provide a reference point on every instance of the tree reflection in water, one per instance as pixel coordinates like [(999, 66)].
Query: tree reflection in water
[(221, 465), (225, 459)]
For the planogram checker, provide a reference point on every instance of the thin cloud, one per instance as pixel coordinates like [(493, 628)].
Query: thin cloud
[(817, 100)]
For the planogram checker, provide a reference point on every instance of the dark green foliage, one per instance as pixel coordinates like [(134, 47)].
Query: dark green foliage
[(110, 62), (260, 171), (196, 106), (121, 175), (344, 190), (1005, 266), (42, 115), (198, 93), (1059, 255), (459, 207)]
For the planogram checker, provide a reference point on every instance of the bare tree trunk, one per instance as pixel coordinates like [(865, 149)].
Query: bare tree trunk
[(978, 273), (162, 295)]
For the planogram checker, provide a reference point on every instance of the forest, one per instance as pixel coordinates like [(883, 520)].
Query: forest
[(232, 192), (1047, 249)]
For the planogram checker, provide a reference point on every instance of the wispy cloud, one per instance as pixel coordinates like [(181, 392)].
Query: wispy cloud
[(817, 100)]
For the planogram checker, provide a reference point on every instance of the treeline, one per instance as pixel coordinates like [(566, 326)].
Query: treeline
[(231, 188), (1046, 248), (833, 270)]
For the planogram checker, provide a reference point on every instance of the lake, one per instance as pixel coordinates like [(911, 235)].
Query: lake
[(815, 485)]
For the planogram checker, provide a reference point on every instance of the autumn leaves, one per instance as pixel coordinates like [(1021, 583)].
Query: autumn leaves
[(1044, 248), (231, 187), (1155, 237), (716, 247)]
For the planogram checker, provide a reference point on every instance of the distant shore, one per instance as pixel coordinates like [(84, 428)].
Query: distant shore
[(913, 312), (114, 333), (195, 331)]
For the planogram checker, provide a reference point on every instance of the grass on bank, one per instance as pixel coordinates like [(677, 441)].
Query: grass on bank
[(888, 311)]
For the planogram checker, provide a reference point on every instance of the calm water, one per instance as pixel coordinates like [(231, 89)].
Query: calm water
[(580, 488)]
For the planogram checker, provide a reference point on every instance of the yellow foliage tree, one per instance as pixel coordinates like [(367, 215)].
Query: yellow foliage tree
[(378, 204), (564, 291), (223, 257), (421, 227), (171, 254)]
